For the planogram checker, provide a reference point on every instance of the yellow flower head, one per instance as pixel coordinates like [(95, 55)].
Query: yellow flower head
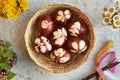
[(23, 4), (7, 3), (12, 8), (14, 12), (3, 13)]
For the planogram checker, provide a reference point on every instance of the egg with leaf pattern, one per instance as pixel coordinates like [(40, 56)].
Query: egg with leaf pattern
[(76, 45)]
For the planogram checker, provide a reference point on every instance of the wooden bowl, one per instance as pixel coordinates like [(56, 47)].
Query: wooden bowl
[(46, 62)]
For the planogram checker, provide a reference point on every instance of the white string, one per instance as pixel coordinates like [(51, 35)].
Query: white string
[(110, 76)]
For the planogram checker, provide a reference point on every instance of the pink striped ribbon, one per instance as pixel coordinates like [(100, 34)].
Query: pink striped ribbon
[(112, 55)]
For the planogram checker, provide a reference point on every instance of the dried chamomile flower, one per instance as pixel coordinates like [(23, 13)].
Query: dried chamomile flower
[(111, 16), (111, 10), (107, 14), (106, 21), (116, 23), (105, 9), (107, 18), (116, 17), (117, 2)]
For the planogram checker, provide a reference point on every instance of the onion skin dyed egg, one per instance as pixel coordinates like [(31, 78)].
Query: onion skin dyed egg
[(76, 45), (63, 16), (77, 28), (59, 37), (60, 55), (45, 25), (42, 45)]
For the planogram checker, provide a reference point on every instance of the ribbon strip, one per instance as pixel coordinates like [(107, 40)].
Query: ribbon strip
[(111, 77), (113, 57), (100, 59), (105, 48)]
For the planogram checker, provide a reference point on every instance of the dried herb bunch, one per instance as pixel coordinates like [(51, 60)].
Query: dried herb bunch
[(7, 60)]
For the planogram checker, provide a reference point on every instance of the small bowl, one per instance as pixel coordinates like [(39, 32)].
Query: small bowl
[(46, 62)]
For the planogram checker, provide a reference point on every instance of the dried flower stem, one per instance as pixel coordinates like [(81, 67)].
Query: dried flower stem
[(108, 66), (115, 13)]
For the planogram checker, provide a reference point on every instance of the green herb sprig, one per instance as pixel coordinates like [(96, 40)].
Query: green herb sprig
[(7, 60)]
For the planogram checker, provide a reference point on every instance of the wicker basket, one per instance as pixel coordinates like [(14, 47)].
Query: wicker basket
[(44, 61)]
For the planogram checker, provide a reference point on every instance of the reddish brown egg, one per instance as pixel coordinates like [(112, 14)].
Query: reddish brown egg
[(60, 55), (62, 16), (76, 45), (42, 45), (59, 37), (76, 28), (45, 25)]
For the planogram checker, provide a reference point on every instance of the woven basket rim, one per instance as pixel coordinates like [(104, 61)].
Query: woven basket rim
[(36, 58)]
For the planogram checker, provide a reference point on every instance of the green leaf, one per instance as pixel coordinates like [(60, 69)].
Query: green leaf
[(5, 65), (2, 50), (7, 44), (6, 52), (10, 53), (10, 75)]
